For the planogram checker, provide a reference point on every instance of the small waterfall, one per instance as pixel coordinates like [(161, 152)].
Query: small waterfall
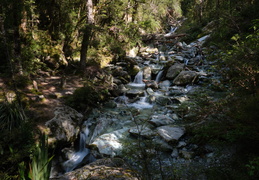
[(78, 156), (139, 78), (173, 29), (122, 99), (138, 81), (159, 76), (142, 103)]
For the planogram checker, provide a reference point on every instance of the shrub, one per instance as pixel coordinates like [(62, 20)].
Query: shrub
[(88, 96), (11, 116)]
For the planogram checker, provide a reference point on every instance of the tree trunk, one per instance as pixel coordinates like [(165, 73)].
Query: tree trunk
[(87, 33)]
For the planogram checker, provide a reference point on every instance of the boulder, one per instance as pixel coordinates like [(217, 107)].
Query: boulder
[(151, 84), (174, 70), (109, 143), (147, 72), (162, 100), (107, 168), (142, 131), (186, 77), (171, 134), (65, 126), (134, 93), (160, 120)]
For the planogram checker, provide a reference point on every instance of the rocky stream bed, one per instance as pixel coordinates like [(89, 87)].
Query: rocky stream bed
[(141, 133)]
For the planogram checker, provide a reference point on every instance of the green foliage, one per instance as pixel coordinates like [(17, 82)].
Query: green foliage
[(253, 167), (12, 116), (41, 163), (21, 81), (87, 96), (241, 62), (16, 147)]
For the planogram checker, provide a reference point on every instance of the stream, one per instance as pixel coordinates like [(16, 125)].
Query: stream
[(147, 117)]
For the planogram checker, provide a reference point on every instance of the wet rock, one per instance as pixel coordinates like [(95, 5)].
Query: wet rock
[(107, 168), (161, 120), (171, 134), (176, 91), (134, 93), (150, 91), (186, 77), (65, 125), (165, 84), (122, 99), (142, 131), (109, 143), (181, 144), (174, 70), (179, 58), (147, 73), (118, 90), (151, 84), (162, 100)]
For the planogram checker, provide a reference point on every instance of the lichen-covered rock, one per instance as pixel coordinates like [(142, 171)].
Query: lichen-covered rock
[(108, 169), (65, 125), (174, 70), (186, 77)]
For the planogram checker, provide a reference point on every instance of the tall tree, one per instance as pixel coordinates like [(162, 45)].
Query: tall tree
[(87, 33)]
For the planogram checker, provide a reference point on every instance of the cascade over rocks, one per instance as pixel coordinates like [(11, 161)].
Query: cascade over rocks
[(151, 99)]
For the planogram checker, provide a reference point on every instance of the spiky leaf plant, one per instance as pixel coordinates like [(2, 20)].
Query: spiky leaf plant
[(41, 163), (11, 115)]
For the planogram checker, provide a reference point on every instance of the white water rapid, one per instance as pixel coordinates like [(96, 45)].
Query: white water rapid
[(78, 156)]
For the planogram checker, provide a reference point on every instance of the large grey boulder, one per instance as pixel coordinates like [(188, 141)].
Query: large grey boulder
[(171, 134), (107, 168), (186, 77), (65, 125), (174, 70), (110, 143)]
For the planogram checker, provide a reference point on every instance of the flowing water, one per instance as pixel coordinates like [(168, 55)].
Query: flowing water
[(78, 156), (156, 107)]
